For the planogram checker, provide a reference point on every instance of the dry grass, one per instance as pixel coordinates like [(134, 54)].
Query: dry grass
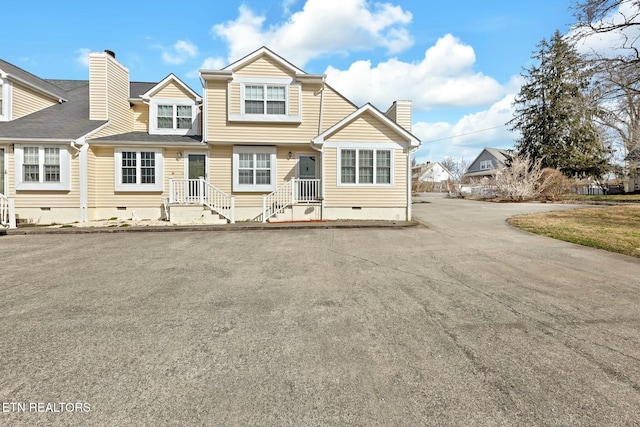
[(616, 198), (615, 229)]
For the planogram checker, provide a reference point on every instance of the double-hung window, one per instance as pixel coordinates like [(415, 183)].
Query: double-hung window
[(174, 116), (254, 169), (265, 99), (486, 165), (365, 166), (40, 167), (138, 169)]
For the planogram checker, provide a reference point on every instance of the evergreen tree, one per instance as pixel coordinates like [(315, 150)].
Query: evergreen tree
[(554, 113)]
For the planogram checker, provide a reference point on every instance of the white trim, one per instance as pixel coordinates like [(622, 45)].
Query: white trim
[(282, 81), (5, 188), (264, 117), (308, 154), (254, 188), (357, 149), (7, 94), (365, 145), (411, 140), (65, 169), (83, 170), (256, 54), (185, 156), (174, 102), (158, 186)]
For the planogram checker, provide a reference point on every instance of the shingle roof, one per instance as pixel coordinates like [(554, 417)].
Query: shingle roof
[(32, 80), (136, 89), (145, 138), (68, 120)]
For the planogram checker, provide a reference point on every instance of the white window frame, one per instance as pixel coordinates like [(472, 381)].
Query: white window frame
[(65, 169), (153, 117), (375, 149), (245, 81), (156, 187), (254, 188), (5, 94), (483, 165)]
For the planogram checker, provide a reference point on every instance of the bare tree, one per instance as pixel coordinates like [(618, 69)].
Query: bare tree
[(457, 167), (521, 180)]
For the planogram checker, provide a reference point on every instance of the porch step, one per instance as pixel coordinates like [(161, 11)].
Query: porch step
[(301, 212), (194, 214)]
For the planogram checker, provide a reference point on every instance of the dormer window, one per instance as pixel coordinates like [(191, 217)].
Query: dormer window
[(173, 117), (486, 165), (265, 99)]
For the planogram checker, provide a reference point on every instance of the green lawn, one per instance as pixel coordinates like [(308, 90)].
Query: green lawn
[(614, 228)]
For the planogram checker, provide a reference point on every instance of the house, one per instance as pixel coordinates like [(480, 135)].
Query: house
[(265, 141), (487, 163), (633, 165), (431, 175)]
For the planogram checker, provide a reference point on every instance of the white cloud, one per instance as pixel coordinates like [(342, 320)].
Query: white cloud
[(445, 77), (182, 50), (83, 57), (467, 137), (210, 63), (611, 43), (321, 27)]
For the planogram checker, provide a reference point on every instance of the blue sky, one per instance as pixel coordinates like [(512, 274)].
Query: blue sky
[(459, 61)]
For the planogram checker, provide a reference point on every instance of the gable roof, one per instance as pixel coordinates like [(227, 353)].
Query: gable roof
[(368, 108), (171, 77), (263, 51), (136, 89), (12, 72), (66, 121)]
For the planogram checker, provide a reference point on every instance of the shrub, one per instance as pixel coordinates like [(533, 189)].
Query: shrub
[(553, 184)]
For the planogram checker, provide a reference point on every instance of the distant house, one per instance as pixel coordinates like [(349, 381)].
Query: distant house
[(633, 162), (430, 176), (487, 163)]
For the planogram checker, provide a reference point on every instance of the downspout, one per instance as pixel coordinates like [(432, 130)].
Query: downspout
[(204, 110)]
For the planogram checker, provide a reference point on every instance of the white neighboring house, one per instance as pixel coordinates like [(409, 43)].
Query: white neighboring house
[(433, 173)]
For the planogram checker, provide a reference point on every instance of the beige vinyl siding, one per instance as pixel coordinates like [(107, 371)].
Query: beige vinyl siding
[(219, 130), (116, 86), (335, 108), (221, 171), (365, 196), (294, 100), (141, 118), (366, 127), (235, 99), (106, 197), (26, 101), (98, 87), (174, 91), (46, 199), (264, 67)]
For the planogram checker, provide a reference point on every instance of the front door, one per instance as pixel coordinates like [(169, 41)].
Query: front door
[(2, 172), (308, 185), (196, 167)]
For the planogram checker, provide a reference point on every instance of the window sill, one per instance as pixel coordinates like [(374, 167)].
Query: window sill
[(37, 186), (264, 118)]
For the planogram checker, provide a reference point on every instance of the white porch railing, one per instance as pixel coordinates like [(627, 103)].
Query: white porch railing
[(7, 212), (200, 192), (291, 192)]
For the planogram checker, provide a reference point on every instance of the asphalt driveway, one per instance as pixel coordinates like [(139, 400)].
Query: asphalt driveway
[(465, 322)]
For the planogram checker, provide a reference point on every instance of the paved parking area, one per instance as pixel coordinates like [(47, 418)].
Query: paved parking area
[(465, 322)]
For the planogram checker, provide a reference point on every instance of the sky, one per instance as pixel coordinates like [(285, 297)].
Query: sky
[(459, 61)]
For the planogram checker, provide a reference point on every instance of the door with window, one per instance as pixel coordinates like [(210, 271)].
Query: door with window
[(2, 173), (308, 183), (196, 166)]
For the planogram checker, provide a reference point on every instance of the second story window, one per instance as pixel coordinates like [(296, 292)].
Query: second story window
[(486, 165), (174, 116), (265, 99)]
